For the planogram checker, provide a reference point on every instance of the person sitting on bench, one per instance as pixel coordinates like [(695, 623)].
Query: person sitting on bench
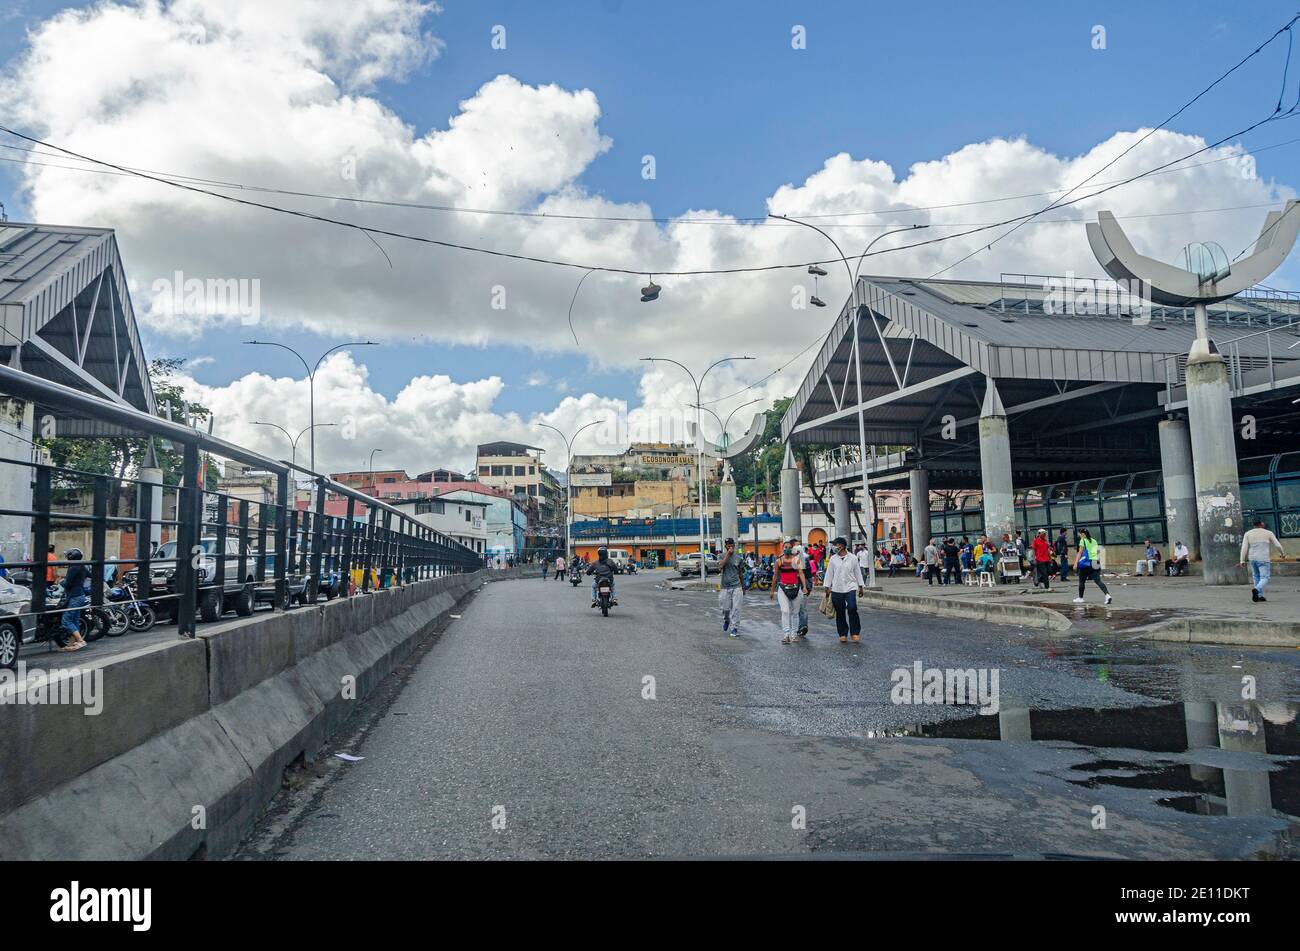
[(1177, 562)]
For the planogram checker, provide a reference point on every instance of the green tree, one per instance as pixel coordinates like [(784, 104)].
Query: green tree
[(120, 456)]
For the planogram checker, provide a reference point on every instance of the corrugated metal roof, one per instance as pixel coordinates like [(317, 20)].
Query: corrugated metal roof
[(974, 324), (43, 270)]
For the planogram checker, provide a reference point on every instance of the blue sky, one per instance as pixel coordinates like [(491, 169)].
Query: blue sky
[(731, 112)]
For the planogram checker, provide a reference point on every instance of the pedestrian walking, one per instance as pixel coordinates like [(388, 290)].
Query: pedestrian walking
[(1061, 548), (1088, 564), (844, 582), (789, 590), (932, 563), (546, 563), (731, 593), (1257, 546), (801, 554), (559, 568), (1042, 560)]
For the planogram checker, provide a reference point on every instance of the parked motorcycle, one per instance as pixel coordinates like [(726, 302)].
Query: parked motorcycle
[(94, 622), (127, 613)]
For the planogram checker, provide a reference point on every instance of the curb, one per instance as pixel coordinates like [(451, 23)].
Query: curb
[(1223, 631), (1026, 615)]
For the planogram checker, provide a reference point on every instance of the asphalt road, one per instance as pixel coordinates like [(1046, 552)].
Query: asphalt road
[(529, 729)]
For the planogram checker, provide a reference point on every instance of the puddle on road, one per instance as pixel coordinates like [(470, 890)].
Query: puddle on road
[(1112, 618), (1178, 728)]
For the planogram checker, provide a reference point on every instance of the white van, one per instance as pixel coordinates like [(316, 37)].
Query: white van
[(618, 557)]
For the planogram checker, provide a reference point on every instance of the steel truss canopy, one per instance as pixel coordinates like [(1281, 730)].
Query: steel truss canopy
[(66, 316), (1084, 369)]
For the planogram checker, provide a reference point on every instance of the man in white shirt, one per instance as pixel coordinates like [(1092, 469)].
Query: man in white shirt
[(1178, 561), (1257, 545), (843, 579)]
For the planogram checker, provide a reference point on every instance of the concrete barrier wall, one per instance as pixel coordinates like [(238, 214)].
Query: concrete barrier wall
[(199, 732), (995, 612)]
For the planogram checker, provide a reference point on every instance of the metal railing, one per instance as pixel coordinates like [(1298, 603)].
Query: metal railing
[(1239, 364), (1103, 297), (207, 550)]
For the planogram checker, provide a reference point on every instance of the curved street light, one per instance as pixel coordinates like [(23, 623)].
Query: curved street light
[(311, 377), (568, 488), (699, 440), (293, 440), (862, 426), (726, 439)]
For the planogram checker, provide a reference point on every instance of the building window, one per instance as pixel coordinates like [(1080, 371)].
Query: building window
[(484, 470), (519, 470)]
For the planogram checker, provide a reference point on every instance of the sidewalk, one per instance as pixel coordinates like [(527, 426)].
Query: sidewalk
[(1162, 608)]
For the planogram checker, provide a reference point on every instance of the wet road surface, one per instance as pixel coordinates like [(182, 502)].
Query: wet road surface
[(533, 727)]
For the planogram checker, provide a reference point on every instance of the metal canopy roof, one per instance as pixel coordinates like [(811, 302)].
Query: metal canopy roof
[(925, 346), (66, 315)]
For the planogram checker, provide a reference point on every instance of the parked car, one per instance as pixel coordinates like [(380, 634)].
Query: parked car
[(688, 565), (618, 557), (236, 593), (264, 592), (17, 625)]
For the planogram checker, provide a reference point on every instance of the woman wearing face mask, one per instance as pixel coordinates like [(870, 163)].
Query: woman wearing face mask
[(790, 588)]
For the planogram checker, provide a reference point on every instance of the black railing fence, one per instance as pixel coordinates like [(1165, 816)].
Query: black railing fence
[(192, 551)]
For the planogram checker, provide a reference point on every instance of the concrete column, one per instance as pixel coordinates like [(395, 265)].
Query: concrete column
[(1241, 730), (995, 467), (152, 477), (1014, 725), (730, 518), (16, 420), (1214, 464), (790, 515), (1201, 720), (843, 525), (918, 481), (1180, 486)]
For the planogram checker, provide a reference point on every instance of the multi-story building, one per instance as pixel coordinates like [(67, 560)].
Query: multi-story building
[(244, 482), (631, 499), (645, 461), (461, 519), (519, 470), (362, 478), (505, 524)]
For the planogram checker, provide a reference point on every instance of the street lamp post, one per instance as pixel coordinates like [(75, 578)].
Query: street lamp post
[(370, 466), (726, 439), (868, 508), (311, 378), (293, 440), (568, 481), (699, 441)]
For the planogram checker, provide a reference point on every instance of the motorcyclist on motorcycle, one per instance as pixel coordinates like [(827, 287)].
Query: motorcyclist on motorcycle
[(602, 568)]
